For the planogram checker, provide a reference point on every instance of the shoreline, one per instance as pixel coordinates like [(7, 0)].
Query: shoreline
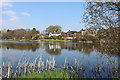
[(49, 40), (41, 40)]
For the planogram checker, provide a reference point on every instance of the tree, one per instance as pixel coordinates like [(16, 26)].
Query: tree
[(31, 34), (34, 28), (102, 14), (19, 33), (8, 35), (55, 28)]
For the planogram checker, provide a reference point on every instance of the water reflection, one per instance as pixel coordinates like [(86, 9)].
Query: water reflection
[(55, 48), (20, 46), (84, 48), (109, 48), (89, 56)]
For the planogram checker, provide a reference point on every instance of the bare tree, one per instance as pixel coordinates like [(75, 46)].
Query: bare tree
[(102, 14)]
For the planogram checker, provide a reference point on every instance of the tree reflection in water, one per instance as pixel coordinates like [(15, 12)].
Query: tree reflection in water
[(20, 46), (55, 48)]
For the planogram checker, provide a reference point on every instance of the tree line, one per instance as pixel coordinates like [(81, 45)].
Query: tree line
[(20, 34), (27, 34), (98, 15)]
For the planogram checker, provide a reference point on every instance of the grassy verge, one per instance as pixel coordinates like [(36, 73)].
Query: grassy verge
[(40, 40), (50, 74), (54, 40)]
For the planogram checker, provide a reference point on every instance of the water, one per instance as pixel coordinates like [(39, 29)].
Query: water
[(89, 55)]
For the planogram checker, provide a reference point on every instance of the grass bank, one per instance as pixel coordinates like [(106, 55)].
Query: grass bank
[(54, 40), (39, 40), (50, 74)]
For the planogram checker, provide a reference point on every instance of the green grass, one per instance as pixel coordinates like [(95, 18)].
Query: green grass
[(50, 74), (53, 40), (41, 40)]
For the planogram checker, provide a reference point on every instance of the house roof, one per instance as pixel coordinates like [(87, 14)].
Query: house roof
[(72, 32), (55, 32)]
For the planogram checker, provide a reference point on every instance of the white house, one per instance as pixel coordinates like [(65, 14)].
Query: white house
[(54, 34)]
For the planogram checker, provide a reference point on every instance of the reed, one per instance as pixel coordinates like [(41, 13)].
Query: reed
[(0, 72), (27, 69)]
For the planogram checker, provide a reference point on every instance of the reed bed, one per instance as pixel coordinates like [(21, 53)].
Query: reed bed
[(39, 69)]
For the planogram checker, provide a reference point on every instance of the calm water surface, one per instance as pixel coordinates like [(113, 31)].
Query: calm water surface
[(87, 54)]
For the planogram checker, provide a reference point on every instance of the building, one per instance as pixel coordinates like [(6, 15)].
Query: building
[(64, 34), (87, 32), (51, 34), (71, 33)]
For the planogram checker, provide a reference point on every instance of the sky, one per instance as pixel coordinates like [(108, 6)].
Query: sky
[(40, 15)]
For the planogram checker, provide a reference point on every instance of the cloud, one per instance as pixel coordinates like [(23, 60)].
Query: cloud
[(11, 14), (25, 14), (12, 20), (0, 21), (6, 24), (5, 4)]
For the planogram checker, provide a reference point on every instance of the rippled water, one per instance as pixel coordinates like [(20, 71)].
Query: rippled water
[(89, 55)]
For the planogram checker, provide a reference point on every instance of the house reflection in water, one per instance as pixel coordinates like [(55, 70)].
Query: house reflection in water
[(54, 48)]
